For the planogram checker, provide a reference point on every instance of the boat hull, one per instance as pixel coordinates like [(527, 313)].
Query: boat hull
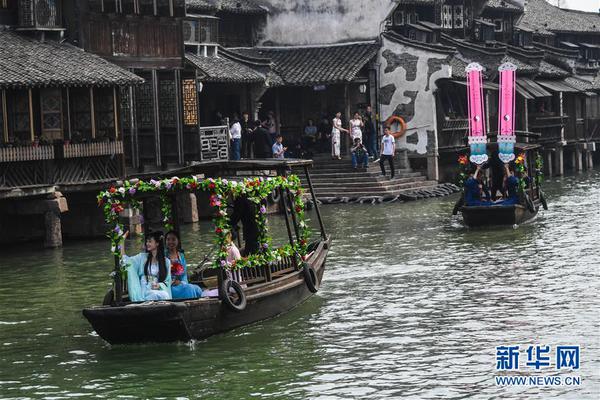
[(171, 321), (475, 216)]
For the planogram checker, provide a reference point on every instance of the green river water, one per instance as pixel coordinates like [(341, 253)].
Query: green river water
[(412, 306)]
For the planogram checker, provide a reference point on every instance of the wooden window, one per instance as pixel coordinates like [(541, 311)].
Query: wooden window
[(146, 7), (164, 8), (105, 113), (166, 94), (398, 17), (446, 16), (143, 99), (190, 102), (81, 113), (120, 39), (51, 113), (458, 17), (125, 107), (18, 109)]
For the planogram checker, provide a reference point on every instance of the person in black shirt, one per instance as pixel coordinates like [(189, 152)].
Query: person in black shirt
[(246, 135), (262, 140), (244, 211)]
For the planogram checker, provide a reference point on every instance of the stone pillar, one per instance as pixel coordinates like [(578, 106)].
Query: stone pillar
[(402, 159), (589, 160), (433, 168), (559, 165), (578, 154), (548, 162), (53, 229), (187, 208)]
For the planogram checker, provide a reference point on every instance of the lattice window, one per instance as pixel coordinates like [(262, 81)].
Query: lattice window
[(143, 99), (51, 112), (498, 25), (468, 17), (446, 16), (399, 17), (105, 113), (190, 102), (458, 16), (125, 105), (19, 115), (167, 98), (120, 39), (81, 112)]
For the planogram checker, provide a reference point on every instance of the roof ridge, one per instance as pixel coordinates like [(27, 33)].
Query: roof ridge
[(311, 46)]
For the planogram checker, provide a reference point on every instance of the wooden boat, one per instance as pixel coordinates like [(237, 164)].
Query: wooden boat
[(259, 293), (529, 202)]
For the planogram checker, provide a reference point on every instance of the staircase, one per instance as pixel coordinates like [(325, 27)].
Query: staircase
[(335, 181)]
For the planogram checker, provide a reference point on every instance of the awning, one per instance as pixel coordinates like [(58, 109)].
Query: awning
[(590, 45), (486, 85), (557, 86), (569, 44), (530, 90)]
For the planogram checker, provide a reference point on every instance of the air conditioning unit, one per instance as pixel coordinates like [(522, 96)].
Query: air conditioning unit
[(189, 31), (40, 14)]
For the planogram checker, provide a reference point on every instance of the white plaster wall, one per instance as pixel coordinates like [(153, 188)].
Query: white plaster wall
[(424, 118)]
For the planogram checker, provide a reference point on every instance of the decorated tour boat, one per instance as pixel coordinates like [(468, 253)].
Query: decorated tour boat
[(263, 284), (522, 201)]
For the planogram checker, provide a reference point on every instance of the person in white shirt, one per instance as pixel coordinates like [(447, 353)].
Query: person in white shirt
[(236, 139), (278, 149), (388, 150), (335, 136), (356, 125)]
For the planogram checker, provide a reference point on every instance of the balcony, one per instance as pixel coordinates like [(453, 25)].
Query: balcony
[(60, 164)]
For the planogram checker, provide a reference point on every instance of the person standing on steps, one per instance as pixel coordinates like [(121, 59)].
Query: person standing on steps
[(335, 136), (370, 132), (388, 150)]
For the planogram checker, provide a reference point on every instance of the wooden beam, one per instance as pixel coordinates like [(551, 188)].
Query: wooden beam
[(92, 112), (31, 128), (4, 116), (69, 113), (133, 129), (116, 113)]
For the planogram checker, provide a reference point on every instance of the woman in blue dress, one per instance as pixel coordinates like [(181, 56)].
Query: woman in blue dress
[(180, 288), (149, 273)]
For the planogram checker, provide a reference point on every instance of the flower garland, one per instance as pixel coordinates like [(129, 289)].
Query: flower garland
[(539, 169), (463, 162), (114, 200), (520, 168)]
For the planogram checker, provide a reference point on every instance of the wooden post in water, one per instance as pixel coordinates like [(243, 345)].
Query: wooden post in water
[(118, 282), (314, 198)]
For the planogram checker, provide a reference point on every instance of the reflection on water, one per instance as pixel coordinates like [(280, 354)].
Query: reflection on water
[(413, 306)]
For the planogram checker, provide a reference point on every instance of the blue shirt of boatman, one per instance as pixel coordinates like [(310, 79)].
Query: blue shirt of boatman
[(278, 150)]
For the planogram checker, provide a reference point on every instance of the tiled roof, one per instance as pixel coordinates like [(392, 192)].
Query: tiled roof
[(230, 6), (224, 70), (458, 68), (316, 65), (545, 18), (547, 70), (25, 62), (522, 67), (504, 5), (583, 84)]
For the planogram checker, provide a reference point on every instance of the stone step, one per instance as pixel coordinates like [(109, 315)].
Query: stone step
[(365, 183), (385, 190)]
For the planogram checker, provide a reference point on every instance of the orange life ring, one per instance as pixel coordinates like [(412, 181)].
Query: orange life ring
[(400, 121)]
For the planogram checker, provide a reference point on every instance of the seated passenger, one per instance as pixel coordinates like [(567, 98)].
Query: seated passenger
[(149, 273), (473, 189), (180, 287), (359, 154), (233, 254), (512, 186)]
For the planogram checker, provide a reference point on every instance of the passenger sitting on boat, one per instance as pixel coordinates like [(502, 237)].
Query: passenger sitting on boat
[(245, 211), (149, 273), (180, 287), (512, 186), (473, 189), (233, 254)]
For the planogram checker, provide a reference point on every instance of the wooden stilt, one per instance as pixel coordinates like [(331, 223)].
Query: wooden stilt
[(156, 117)]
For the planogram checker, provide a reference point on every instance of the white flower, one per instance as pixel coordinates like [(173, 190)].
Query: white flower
[(121, 190), (112, 249)]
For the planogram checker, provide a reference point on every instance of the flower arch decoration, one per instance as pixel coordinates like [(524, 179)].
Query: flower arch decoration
[(114, 200)]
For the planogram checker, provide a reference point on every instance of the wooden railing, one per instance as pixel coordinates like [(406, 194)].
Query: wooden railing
[(13, 154), (92, 149)]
